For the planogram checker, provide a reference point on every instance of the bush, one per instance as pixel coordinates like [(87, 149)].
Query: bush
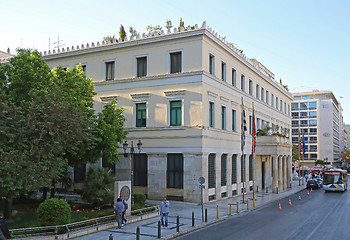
[(53, 212), (139, 199)]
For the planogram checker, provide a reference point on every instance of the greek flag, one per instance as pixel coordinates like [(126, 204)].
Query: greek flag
[(254, 133), (243, 127)]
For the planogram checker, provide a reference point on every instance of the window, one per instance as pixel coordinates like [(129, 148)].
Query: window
[(285, 108), (175, 113), (211, 64), (297, 98), (242, 169), (267, 97), (223, 71), (288, 109), (303, 105), (242, 82), (234, 169), (325, 106), (223, 117), (211, 171), (313, 114), (140, 170), (140, 114), (175, 62), (211, 114), (262, 94), (250, 167), (313, 122), (109, 71), (303, 114), (234, 120), (257, 91), (83, 68), (141, 66), (295, 106), (79, 174), (281, 106), (277, 103), (223, 169), (250, 87), (234, 83), (175, 165), (306, 97), (250, 124), (272, 100), (312, 105)]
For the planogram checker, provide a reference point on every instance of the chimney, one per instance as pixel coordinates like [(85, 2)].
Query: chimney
[(8, 50)]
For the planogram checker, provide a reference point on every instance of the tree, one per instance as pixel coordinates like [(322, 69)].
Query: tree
[(295, 153), (168, 24), (109, 39), (133, 32), (181, 24), (122, 32), (153, 30), (345, 155), (99, 186)]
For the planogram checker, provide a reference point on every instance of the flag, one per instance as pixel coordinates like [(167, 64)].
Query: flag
[(243, 127), (299, 144), (303, 145), (253, 134)]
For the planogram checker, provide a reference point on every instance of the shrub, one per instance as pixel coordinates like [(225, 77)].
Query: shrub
[(139, 199), (53, 212)]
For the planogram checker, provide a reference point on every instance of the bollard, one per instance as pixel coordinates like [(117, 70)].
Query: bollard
[(237, 207), (177, 224), (206, 215), (138, 233), (110, 237), (247, 203), (267, 189), (192, 219), (230, 209), (159, 230), (217, 211), (253, 202)]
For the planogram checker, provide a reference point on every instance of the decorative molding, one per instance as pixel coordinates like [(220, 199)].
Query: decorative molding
[(212, 94), (140, 97), (180, 93), (108, 99), (223, 99)]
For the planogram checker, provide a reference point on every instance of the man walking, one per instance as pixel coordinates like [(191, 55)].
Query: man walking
[(164, 212), (118, 209), (125, 207), (4, 231)]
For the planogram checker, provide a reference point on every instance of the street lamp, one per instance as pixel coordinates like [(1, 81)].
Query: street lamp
[(132, 153)]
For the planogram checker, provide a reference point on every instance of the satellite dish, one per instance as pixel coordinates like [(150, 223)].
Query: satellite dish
[(201, 180)]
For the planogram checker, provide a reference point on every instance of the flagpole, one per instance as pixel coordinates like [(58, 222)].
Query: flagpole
[(242, 146), (299, 149), (253, 148)]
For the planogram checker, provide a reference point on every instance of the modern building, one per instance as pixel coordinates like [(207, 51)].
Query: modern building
[(182, 95), (346, 135), (317, 115)]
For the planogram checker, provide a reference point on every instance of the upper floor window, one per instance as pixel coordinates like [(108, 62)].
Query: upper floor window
[(141, 66), (267, 97), (110, 70), (223, 71), (306, 97), (277, 103), (175, 113), (140, 114), (223, 117), (211, 114), (175, 62), (234, 77), (242, 82), (234, 120), (285, 108), (257, 91), (281, 106), (297, 98), (312, 105), (325, 106), (83, 68), (262, 94), (211, 64), (250, 87), (272, 100)]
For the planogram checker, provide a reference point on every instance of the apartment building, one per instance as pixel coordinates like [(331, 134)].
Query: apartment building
[(182, 94), (318, 116)]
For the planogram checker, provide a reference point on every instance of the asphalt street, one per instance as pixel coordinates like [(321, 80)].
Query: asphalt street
[(317, 216)]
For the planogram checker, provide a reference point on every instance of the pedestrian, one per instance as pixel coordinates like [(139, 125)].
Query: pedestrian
[(118, 209), (4, 231), (164, 212), (125, 207)]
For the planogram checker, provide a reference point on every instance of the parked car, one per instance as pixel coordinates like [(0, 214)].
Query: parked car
[(312, 183), (320, 181)]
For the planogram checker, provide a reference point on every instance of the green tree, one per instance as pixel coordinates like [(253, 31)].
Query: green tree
[(54, 212), (152, 30), (99, 186), (122, 32), (109, 39), (345, 155), (133, 32), (168, 24), (181, 24)]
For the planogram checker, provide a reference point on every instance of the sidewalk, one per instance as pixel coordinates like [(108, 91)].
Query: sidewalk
[(149, 227)]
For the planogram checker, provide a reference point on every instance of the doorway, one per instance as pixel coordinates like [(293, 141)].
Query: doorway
[(263, 175)]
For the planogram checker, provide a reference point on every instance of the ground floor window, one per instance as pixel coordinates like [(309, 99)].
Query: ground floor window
[(175, 169), (234, 169), (250, 167), (211, 171), (80, 174), (140, 170)]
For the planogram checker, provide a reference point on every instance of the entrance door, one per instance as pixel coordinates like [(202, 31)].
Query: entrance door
[(263, 175)]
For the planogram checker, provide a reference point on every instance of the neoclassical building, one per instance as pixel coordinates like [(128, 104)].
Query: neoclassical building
[(182, 94)]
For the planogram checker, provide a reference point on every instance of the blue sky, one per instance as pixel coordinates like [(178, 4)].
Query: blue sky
[(306, 43)]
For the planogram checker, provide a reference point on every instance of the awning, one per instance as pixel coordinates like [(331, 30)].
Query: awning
[(317, 168)]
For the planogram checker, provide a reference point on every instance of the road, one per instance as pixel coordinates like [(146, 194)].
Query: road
[(317, 216)]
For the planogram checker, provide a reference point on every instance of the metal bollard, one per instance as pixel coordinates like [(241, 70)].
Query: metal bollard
[(217, 211), (253, 202), (206, 215), (177, 224), (247, 203), (237, 207), (192, 219), (229, 212), (138, 233), (159, 230)]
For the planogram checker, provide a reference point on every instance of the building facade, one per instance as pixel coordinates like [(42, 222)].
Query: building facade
[(182, 95), (317, 115)]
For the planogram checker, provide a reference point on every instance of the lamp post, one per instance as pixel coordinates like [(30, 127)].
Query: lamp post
[(132, 153)]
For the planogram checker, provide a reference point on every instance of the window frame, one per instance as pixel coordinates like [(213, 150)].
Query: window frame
[(234, 77), (211, 64), (223, 71), (211, 114), (242, 82), (136, 113), (169, 60), (105, 62), (136, 64)]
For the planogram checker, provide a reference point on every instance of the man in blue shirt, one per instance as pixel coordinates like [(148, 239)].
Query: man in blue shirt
[(164, 212), (118, 209)]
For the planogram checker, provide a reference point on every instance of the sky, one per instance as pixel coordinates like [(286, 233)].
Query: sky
[(306, 43)]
